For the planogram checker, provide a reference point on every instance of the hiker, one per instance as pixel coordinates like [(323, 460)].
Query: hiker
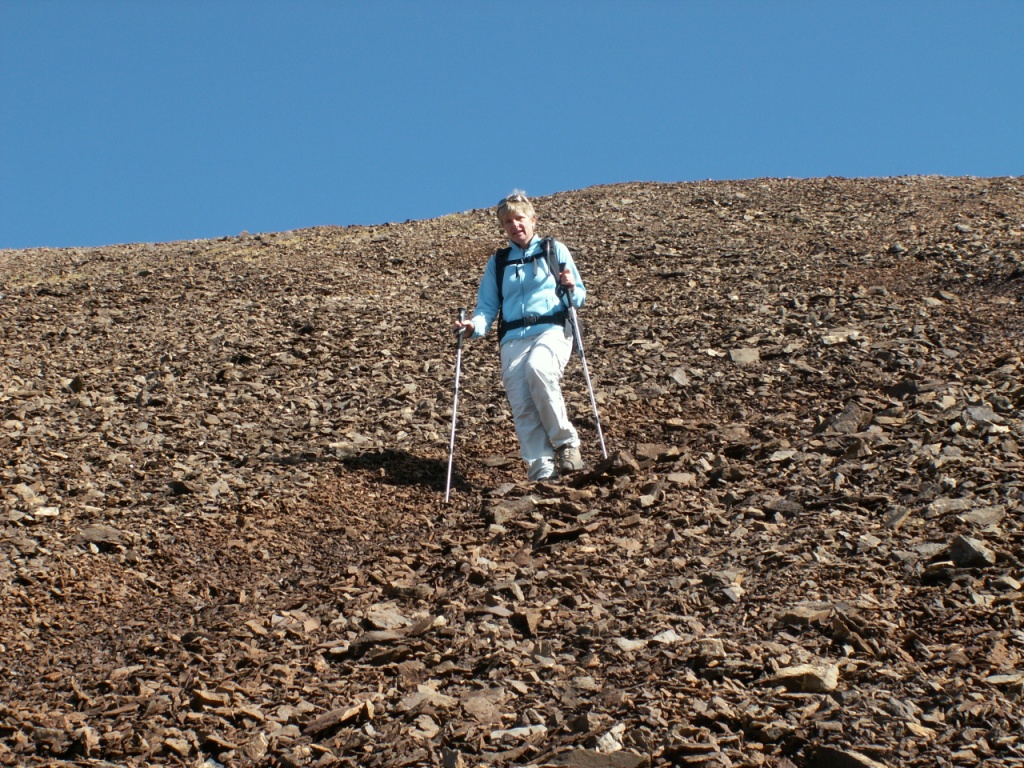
[(535, 335)]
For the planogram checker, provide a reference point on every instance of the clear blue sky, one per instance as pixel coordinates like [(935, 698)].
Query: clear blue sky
[(156, 120)]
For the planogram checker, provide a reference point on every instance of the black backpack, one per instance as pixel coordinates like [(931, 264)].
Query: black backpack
[(501, 261)]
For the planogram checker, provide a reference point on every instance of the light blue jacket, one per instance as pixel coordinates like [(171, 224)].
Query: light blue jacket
[(527, 289)]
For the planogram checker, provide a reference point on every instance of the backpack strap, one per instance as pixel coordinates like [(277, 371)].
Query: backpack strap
[(501, 261), (548, 246)]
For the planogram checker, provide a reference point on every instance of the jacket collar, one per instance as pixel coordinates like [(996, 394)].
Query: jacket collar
[(536, 239)]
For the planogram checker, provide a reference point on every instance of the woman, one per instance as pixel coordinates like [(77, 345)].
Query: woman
[(535, 336)]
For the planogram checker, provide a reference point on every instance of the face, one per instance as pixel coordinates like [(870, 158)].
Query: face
[(519, 227)]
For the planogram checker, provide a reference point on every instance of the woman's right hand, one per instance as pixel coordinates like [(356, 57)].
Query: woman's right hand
[(463, 327)]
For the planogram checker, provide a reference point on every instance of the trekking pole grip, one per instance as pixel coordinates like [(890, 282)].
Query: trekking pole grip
[(462, 331), (562, 266)]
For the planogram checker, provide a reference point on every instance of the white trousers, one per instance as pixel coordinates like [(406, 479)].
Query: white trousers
[(531, 370)]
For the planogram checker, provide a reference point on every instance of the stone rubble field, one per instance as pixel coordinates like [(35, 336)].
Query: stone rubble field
[(224, 542)]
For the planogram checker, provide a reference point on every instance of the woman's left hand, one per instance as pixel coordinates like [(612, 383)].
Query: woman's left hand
[(566, 279)]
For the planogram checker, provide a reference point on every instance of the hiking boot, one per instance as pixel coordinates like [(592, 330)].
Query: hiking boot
[(569, 459), (543, 470), (550, 477)]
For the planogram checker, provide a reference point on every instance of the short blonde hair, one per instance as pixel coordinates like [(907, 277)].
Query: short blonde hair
[(516, 202)]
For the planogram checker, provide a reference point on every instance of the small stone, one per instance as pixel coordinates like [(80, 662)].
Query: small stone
[(980, 416), (745, 356), (830, 757), (517, 734), (806, 678), (625, 644), (969, 553), (680, 377), (684, 479), (526, 622), (1007, 583), (589, 758), (840, 336), (806, 614), (710, 648)]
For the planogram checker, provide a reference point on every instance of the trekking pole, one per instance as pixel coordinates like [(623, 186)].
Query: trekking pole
[(455, 403), (583, 360)]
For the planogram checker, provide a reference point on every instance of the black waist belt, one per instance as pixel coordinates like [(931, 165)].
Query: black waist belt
[(558, 317)]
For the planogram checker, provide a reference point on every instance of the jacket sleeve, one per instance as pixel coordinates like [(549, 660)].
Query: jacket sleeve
[(486, 309)]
